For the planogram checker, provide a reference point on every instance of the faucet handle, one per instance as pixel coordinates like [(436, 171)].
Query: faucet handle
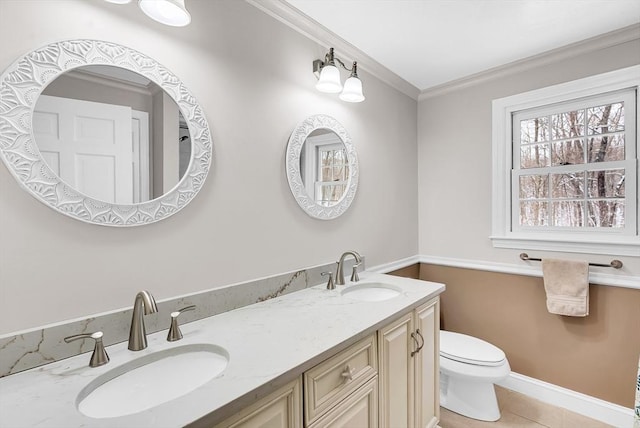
[(99, 356), (330, 284), (174, 330), (354, 273)]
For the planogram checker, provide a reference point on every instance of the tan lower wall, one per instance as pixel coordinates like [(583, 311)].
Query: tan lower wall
[(596, 355), (412, 271)]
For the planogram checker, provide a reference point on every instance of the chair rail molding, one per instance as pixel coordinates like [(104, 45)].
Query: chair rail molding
[(619, 279)]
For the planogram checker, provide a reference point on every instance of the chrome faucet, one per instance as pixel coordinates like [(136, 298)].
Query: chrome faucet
[(340, 271), (138, 334)]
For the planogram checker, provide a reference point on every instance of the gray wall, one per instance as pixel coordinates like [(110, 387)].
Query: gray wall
[(252, 76), (454, 152), (454, 155)]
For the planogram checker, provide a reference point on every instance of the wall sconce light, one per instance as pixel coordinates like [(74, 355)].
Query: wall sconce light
[(329, 78), (168, 12)]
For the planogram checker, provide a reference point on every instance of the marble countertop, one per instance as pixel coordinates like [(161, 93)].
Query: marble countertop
[(269, 344)]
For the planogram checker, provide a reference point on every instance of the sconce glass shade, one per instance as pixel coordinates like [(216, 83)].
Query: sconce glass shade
[(352, 92), (168, 12), (118, 1), (329, 80)]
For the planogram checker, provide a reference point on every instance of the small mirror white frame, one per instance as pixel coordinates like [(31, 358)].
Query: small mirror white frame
[(20, 86), (296, 183)]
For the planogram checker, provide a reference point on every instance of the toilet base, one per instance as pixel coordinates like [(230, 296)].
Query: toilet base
[(476, 400)]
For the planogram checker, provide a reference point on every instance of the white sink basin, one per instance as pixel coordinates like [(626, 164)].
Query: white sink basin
[(371, 292), (152, 380)]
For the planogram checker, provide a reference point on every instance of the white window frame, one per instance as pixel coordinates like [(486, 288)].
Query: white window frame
[(319, 184), (504, 234), (313, 162)]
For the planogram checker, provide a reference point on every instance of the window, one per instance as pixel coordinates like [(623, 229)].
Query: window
[(325, 167), (570, 164), (566, 167), (332, 174)]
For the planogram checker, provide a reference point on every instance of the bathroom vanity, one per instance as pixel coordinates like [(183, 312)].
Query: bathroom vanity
[(364, 354), (388, 379)]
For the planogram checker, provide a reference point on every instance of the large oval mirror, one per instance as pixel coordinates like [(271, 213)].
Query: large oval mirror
[(322, 167), (102, 133)]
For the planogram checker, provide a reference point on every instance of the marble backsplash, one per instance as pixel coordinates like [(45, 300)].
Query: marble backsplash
[(45, 345)]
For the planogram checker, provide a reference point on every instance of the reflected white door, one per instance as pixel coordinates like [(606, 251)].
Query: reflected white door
[(89, 146), (140, 145)]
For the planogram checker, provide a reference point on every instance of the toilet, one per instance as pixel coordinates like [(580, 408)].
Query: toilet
[(468, 369)]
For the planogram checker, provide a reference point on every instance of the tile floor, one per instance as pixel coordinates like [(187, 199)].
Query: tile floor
[(520, 411)]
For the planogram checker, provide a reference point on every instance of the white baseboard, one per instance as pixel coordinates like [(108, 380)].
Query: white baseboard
[(609, 413)]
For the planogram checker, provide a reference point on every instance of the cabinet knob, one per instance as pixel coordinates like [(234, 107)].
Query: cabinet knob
[(348, 373)]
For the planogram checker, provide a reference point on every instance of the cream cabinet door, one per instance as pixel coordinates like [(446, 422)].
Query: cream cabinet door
[(280, 409), (408, 354), (358, 410), (427, 367), (396, 373)]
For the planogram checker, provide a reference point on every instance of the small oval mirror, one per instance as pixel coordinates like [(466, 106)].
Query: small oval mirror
[(322, 167)]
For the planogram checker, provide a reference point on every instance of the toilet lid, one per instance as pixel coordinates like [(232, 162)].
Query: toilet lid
[(469, 350)]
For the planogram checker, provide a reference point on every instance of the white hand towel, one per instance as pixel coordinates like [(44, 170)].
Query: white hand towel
[(567, 285)]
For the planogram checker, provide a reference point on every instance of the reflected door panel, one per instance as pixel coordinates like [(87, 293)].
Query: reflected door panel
[(88, 144)]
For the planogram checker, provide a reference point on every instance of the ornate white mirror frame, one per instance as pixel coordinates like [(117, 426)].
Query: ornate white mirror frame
[(294, 176), (23, 82)]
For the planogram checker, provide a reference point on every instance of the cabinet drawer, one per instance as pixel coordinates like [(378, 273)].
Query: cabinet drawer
[(331, 381), (359, 410)]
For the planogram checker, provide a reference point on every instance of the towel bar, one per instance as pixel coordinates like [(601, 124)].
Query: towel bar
[(616, 264)]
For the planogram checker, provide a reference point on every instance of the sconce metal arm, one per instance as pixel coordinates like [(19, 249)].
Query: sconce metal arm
[(331, 59), (350, 70)]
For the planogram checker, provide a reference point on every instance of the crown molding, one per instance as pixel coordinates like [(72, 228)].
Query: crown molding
[(113, 82), (592, 44), (303, 24)]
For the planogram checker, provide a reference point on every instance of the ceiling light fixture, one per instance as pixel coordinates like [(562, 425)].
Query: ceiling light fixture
[(329, 78), (168, 12)]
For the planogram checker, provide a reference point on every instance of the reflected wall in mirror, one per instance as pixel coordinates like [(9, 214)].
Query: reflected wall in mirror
[(322, 167), (102, 133)]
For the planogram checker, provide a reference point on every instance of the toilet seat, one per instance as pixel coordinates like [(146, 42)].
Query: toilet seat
[(469, 350)]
